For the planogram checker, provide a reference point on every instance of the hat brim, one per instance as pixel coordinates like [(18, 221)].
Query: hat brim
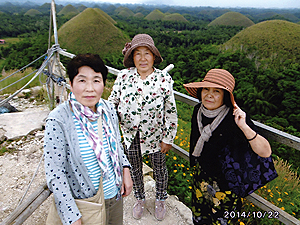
[(128, 59), (193, 87)]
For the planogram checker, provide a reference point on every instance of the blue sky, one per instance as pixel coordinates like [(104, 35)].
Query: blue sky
[(216, 3)]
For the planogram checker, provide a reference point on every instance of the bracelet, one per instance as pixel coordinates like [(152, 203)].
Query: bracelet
[(253, 137)]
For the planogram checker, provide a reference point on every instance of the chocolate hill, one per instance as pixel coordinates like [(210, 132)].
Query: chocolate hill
[(92, 31), (232, 19)]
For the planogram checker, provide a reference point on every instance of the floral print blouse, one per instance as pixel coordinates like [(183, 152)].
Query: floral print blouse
[(147, 106)]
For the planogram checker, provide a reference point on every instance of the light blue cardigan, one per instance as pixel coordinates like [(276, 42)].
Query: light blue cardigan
[(66, 174)]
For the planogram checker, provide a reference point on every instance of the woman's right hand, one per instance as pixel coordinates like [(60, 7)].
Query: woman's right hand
[(77, 222)]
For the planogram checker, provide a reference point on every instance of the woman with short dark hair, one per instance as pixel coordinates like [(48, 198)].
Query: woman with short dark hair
[(83, 152)]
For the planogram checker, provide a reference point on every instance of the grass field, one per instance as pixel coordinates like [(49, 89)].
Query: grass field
[(10, 40)]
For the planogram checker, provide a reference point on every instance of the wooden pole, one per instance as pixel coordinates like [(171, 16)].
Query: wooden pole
[(23, 211)]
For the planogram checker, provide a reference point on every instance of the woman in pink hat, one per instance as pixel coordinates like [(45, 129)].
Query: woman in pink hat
[(146, 106), (220, 129)]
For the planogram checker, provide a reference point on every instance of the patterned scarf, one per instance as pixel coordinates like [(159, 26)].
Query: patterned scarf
[(84, 115), (206, 132)]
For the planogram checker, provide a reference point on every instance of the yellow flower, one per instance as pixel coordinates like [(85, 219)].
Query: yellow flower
[(146, 161), (294, 213), (187, 168), (198, 193), (191, 174), (176, 137), (174, 158), (188, 180), (241, 223), (175, 164), (269, 190), (292, 204), (282, 208), (190, 187), (182, 165), (220, 195), (279, 199), (175, 171), (183, 174), (286, 193), (181, 144)]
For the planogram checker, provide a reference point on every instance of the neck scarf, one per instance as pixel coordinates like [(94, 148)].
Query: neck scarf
[(84, 115), (206, 132)]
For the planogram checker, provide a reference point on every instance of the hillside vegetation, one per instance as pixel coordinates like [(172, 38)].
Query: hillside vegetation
[(91, 31), (232, 19), (274, 40)]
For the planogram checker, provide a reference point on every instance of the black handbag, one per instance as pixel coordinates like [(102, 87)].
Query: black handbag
[(245, 171)]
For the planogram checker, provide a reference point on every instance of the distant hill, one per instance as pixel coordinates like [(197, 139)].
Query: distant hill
[(68, 11), (91, 31), (175, 17), (81, 8), (212, 13), (139, 15), (155, 15), (45, 8), (124, 12), (142, 10), (32, 12), (232, 19), (158, 15), (275, 40)]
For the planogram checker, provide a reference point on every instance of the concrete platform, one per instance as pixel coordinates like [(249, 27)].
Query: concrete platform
[(15, 125)]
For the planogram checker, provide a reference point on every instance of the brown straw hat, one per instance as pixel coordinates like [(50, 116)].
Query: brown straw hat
[(139, 40), (215, 78)]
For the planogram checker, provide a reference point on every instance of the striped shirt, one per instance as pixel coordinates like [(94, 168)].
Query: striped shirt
[(91, 163)]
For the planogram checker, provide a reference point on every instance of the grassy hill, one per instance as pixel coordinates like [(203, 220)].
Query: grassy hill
[(81, 8), (175, 17), (32, 12), (68, 11), (124, 12), (105, 15), (155, 15), (276, 40), (139, 15), (91, 31), (232, 19)]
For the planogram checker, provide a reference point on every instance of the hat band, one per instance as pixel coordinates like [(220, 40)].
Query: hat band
[(215, 82)]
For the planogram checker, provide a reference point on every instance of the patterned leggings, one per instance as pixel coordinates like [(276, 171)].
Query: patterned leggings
[(160, 172)]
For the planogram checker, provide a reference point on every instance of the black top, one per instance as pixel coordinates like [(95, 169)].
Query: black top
[(226, 134)]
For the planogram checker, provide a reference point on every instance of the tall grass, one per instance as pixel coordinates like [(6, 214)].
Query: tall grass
[(18, 76)]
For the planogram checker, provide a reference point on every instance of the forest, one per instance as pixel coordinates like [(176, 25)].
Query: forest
[(269, 95)]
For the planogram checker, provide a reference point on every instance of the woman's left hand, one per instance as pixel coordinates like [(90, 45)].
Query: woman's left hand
[(239, 117), (127, 183)]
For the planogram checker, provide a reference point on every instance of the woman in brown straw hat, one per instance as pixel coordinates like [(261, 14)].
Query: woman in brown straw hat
[(219, 128), (144, 99)]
